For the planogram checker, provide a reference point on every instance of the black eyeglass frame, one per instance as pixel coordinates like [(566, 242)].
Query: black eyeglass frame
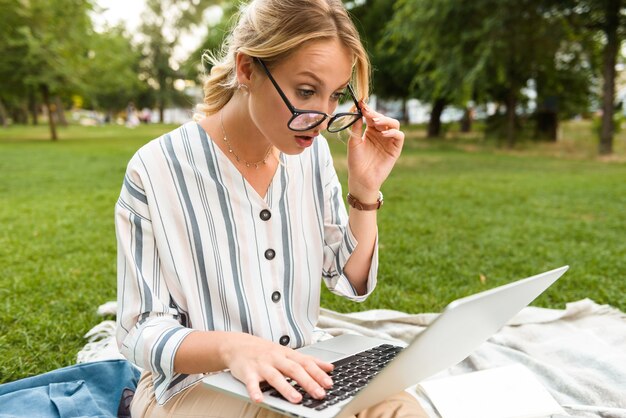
[(295, 112)]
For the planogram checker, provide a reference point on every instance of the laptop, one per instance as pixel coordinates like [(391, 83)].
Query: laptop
[(369, 370)]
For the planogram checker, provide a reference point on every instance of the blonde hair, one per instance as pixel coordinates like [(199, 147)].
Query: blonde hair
[(273, 29)]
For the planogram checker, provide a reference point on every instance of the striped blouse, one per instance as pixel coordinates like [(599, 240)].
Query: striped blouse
[(199, 249)]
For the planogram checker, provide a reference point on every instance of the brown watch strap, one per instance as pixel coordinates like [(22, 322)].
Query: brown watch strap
[(355, 203)]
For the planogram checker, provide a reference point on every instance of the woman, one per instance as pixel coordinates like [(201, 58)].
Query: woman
[(227, 226)]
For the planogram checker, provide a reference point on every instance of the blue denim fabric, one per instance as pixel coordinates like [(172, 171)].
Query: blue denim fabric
[(83, 390)]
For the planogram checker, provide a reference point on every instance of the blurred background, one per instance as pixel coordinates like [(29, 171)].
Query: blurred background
[(518, 67)]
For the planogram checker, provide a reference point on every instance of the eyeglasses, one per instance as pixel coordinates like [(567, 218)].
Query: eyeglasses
[(303, 120)]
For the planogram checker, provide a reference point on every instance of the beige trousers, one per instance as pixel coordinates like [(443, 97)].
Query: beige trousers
[(199, 401)]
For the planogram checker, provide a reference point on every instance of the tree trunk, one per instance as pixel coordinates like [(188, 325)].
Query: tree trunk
[(547, 119), (60, 111), (20, 114), (45, 94), (434, 124), (511, 104), (547, 125), (468, 118), (405, 111), (32, 106), (612, 18), (4, 117)]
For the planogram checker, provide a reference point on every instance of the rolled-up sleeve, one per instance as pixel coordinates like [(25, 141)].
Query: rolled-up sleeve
[(149, 329), (339, 239)]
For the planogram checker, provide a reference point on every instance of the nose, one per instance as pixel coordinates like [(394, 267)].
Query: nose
[(330, 110), (324, 106), (324, 125)]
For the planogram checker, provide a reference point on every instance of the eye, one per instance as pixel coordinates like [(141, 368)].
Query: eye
[(305, 93), (338, 96)]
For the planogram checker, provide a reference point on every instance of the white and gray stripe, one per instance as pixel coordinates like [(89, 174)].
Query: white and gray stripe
[(192, 249)]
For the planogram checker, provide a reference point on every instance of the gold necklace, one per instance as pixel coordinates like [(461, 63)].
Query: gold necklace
[(241, 160)]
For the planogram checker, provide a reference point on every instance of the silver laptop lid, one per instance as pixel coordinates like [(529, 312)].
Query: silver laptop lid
[(460, 329)]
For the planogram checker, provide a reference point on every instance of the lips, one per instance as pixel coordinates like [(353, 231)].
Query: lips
[(304, 140)]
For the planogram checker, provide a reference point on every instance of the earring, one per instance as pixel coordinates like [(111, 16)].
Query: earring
[(243, 87)]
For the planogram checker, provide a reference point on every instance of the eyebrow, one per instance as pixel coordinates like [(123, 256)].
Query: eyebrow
[(319, 80)]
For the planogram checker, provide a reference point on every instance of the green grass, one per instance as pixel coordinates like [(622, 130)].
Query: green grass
[(455, 211), (461, 216)]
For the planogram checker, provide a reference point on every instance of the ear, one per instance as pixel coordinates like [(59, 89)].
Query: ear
[(245, 68)]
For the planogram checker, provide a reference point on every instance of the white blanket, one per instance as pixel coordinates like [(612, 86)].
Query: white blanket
[(578, 353)]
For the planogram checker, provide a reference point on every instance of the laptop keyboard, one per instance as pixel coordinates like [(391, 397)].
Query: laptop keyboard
[(349, 376)]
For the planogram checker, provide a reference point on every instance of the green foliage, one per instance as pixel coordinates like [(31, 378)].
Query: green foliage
[(12, 48), (44, 48), (392, 66), (195, 66), (53, 38), (450, 215), (162, 25), (111, 71), (488, 50), (458, 51)]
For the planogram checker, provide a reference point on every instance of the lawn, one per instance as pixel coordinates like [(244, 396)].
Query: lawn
[(460, 215)]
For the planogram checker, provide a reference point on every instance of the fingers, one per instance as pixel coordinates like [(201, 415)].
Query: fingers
[(393, 133), (253, 360), (318, 370), (378, 120), (324, 365), (275, 379), (305, 371), (308, 372), (278, 382), (254, 390)]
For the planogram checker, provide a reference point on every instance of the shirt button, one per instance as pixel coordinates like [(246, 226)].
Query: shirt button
[(265, 215), (284, 340), (270, 254), (275, 296)]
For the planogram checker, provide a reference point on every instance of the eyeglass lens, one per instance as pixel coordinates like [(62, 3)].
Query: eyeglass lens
[(342, 122), (306, 121)]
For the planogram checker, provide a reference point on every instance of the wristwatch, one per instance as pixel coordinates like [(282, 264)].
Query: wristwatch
[(355, 203)]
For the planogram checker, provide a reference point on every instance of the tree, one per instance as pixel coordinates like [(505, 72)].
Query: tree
[(566, 83), (391, 70), (436, 43), (163, 24), (604, 18), (195, 66), (611, 22), (13, 90), (600, 24), (485, 50), (51, 40), (111, 71)]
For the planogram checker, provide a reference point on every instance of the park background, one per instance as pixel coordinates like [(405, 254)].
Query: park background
[(514, 162)]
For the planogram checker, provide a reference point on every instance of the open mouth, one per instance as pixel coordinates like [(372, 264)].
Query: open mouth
[(304, 140)]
